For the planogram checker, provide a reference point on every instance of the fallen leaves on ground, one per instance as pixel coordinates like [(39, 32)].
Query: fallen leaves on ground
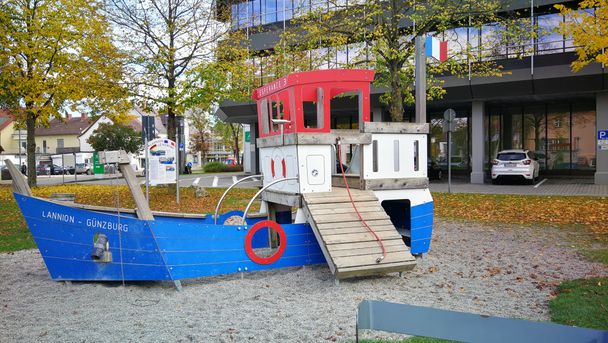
[(161, 198), (525, 209)]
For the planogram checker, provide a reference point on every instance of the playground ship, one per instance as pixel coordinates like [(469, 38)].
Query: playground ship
[(368, 215)]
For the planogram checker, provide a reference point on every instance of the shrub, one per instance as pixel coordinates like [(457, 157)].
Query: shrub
[(219, 167)]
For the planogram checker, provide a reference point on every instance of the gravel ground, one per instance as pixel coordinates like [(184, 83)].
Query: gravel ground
[(501, 271)]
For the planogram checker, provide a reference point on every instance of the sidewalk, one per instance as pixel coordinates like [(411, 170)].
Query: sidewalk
[(569, 187)]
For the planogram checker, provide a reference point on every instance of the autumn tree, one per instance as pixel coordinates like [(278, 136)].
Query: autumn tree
[(231, 134), (113, 136), (228, 77), (589, 30), (200, 138), (388, 29), (165, 39), (56, 56)]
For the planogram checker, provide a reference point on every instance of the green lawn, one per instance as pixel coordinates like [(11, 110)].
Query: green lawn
[(582, 303), (14, 235)]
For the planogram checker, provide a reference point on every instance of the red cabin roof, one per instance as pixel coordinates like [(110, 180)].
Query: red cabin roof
[(315, 76), (303, 99)]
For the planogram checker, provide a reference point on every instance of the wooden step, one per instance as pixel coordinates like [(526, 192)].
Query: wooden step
[(335, 248), (329, 199), (371, 223), (376, 250), (345, 230), (369, 260), (360, 237), (338, 208), (383, 268), (349, 217)]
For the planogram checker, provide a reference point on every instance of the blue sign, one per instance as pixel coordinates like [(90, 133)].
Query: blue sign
[(602, 134), (181, 146)]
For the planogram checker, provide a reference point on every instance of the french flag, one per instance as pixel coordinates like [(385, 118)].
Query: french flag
[(436, 49)]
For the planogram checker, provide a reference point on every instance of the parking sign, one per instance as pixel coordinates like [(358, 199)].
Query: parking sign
[(602, 139)]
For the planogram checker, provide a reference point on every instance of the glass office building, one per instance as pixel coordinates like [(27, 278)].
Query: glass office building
[(542, 106)]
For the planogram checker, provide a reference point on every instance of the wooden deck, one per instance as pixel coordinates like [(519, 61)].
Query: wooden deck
[(349, 248)]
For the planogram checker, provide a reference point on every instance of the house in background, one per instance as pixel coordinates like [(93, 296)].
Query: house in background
[(64, 141), (61, 135), (9, 139)]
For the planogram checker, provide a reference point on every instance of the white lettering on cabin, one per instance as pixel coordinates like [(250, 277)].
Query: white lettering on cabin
[(102, 224), (272, 87), (62, 217)]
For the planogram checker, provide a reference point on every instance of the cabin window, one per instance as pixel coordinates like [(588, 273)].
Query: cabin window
[(416, 156), (274, 107), (313, 108), (396, 155), (278, 112), (344, 108), (375, 156), (264, 118)]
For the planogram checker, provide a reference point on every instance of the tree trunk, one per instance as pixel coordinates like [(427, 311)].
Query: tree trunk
[(396, 102), (171, 127), (234, 128), (172, 134), (31, 148), (237, 150)]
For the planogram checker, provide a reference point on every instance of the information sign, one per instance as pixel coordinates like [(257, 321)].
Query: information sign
[(161, 161)]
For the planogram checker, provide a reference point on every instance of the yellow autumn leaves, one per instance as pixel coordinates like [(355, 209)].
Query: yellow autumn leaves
[(161, 199), (525, 210)]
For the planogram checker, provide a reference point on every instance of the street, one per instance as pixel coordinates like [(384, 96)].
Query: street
[(204, 180)]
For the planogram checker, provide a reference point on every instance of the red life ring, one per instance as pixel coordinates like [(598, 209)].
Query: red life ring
[(255, 228)]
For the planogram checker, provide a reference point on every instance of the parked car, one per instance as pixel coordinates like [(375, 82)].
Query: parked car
[(70, 170), (84, 168), (434, 171), (50, 169), (515, 164), (58, 170), (43, 169)]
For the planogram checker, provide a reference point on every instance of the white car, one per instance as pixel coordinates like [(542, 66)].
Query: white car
[(516, 163)]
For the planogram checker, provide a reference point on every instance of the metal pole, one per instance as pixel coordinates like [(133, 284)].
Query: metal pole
[(177, 167), (260, 192), (63, 164), (19, 149), (420, 80), (146, 170), (75, 172), (219, 203), (450, 160)]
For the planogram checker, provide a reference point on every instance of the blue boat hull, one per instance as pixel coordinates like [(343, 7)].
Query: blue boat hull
[(163, 249)]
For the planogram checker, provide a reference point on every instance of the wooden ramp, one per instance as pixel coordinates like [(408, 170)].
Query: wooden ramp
[(349, 248)]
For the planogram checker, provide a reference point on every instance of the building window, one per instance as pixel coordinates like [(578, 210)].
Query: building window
[(59, 143), (562, 136)]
